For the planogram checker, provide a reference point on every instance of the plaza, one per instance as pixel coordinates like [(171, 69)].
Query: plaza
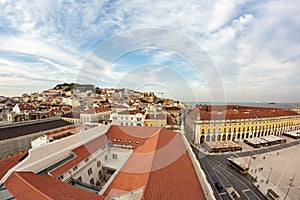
[(275, 170)]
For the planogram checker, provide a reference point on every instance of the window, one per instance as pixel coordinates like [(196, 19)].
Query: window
[(92, 182), (115, 156), (100, 174), (79, 179), (75, 168), (105, 157), (61, 177), (90, 171), (98, 163), (87, 159)]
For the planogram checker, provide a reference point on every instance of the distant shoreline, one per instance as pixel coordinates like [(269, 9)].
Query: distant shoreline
[(263, 104)]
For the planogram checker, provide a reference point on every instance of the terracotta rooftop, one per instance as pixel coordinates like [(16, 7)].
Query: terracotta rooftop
[(72, 115), (171, 120), (82, 152), (163, 167), (159, 163), (26, 106), (54, 111), (159, 116), (234, 112), (129, 135), (66, 131), (44, 187), (172, 108), (9, 162), (130, 112)]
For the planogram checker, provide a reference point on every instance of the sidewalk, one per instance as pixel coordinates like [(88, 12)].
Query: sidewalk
[(274, 170)]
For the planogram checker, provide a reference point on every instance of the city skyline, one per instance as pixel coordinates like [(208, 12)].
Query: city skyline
[(254, 46)]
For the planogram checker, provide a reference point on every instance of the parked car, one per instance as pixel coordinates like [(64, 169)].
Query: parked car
[(219, 186)]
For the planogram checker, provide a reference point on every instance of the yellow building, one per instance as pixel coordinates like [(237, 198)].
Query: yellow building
[(68, 93), (156, 120), (236, 123)]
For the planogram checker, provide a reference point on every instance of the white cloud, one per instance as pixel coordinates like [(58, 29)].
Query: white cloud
[(248, 40)]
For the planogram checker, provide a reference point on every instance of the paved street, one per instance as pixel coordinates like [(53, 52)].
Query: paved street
[(217, 170)]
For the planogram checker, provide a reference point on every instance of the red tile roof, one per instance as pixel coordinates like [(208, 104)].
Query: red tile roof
[(26, 106), (159, 116), (137, 135), (115, 132), (163, 167), (72, 115), (171, 120), (172, 108), (66, 109), (27, 185), (159, 163), (130, 112), (82, 152), (234, 112), (9, 162)]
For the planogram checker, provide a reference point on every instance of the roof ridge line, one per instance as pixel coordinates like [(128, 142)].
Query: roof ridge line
[(148, 174), (30, 185)]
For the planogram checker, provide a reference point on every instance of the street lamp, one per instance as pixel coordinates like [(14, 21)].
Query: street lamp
[(290, 185), (269, 175), (249, 162)]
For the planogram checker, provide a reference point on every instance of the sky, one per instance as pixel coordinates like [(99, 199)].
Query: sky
[(220, 50)]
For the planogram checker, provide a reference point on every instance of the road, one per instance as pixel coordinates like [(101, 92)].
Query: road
[(217, 169)]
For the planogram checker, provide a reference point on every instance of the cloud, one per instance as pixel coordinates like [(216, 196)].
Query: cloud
[(251, 43)]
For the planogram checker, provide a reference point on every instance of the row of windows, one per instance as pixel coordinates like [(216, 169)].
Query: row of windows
[(249, 125), (286, 122), (156, 125), (125, 141), (259, 120), (90, 170), (248, 128), (138, 118), (92, 180), (239, 130)]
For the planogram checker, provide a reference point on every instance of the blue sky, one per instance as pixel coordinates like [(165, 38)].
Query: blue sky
[(252, 46)]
